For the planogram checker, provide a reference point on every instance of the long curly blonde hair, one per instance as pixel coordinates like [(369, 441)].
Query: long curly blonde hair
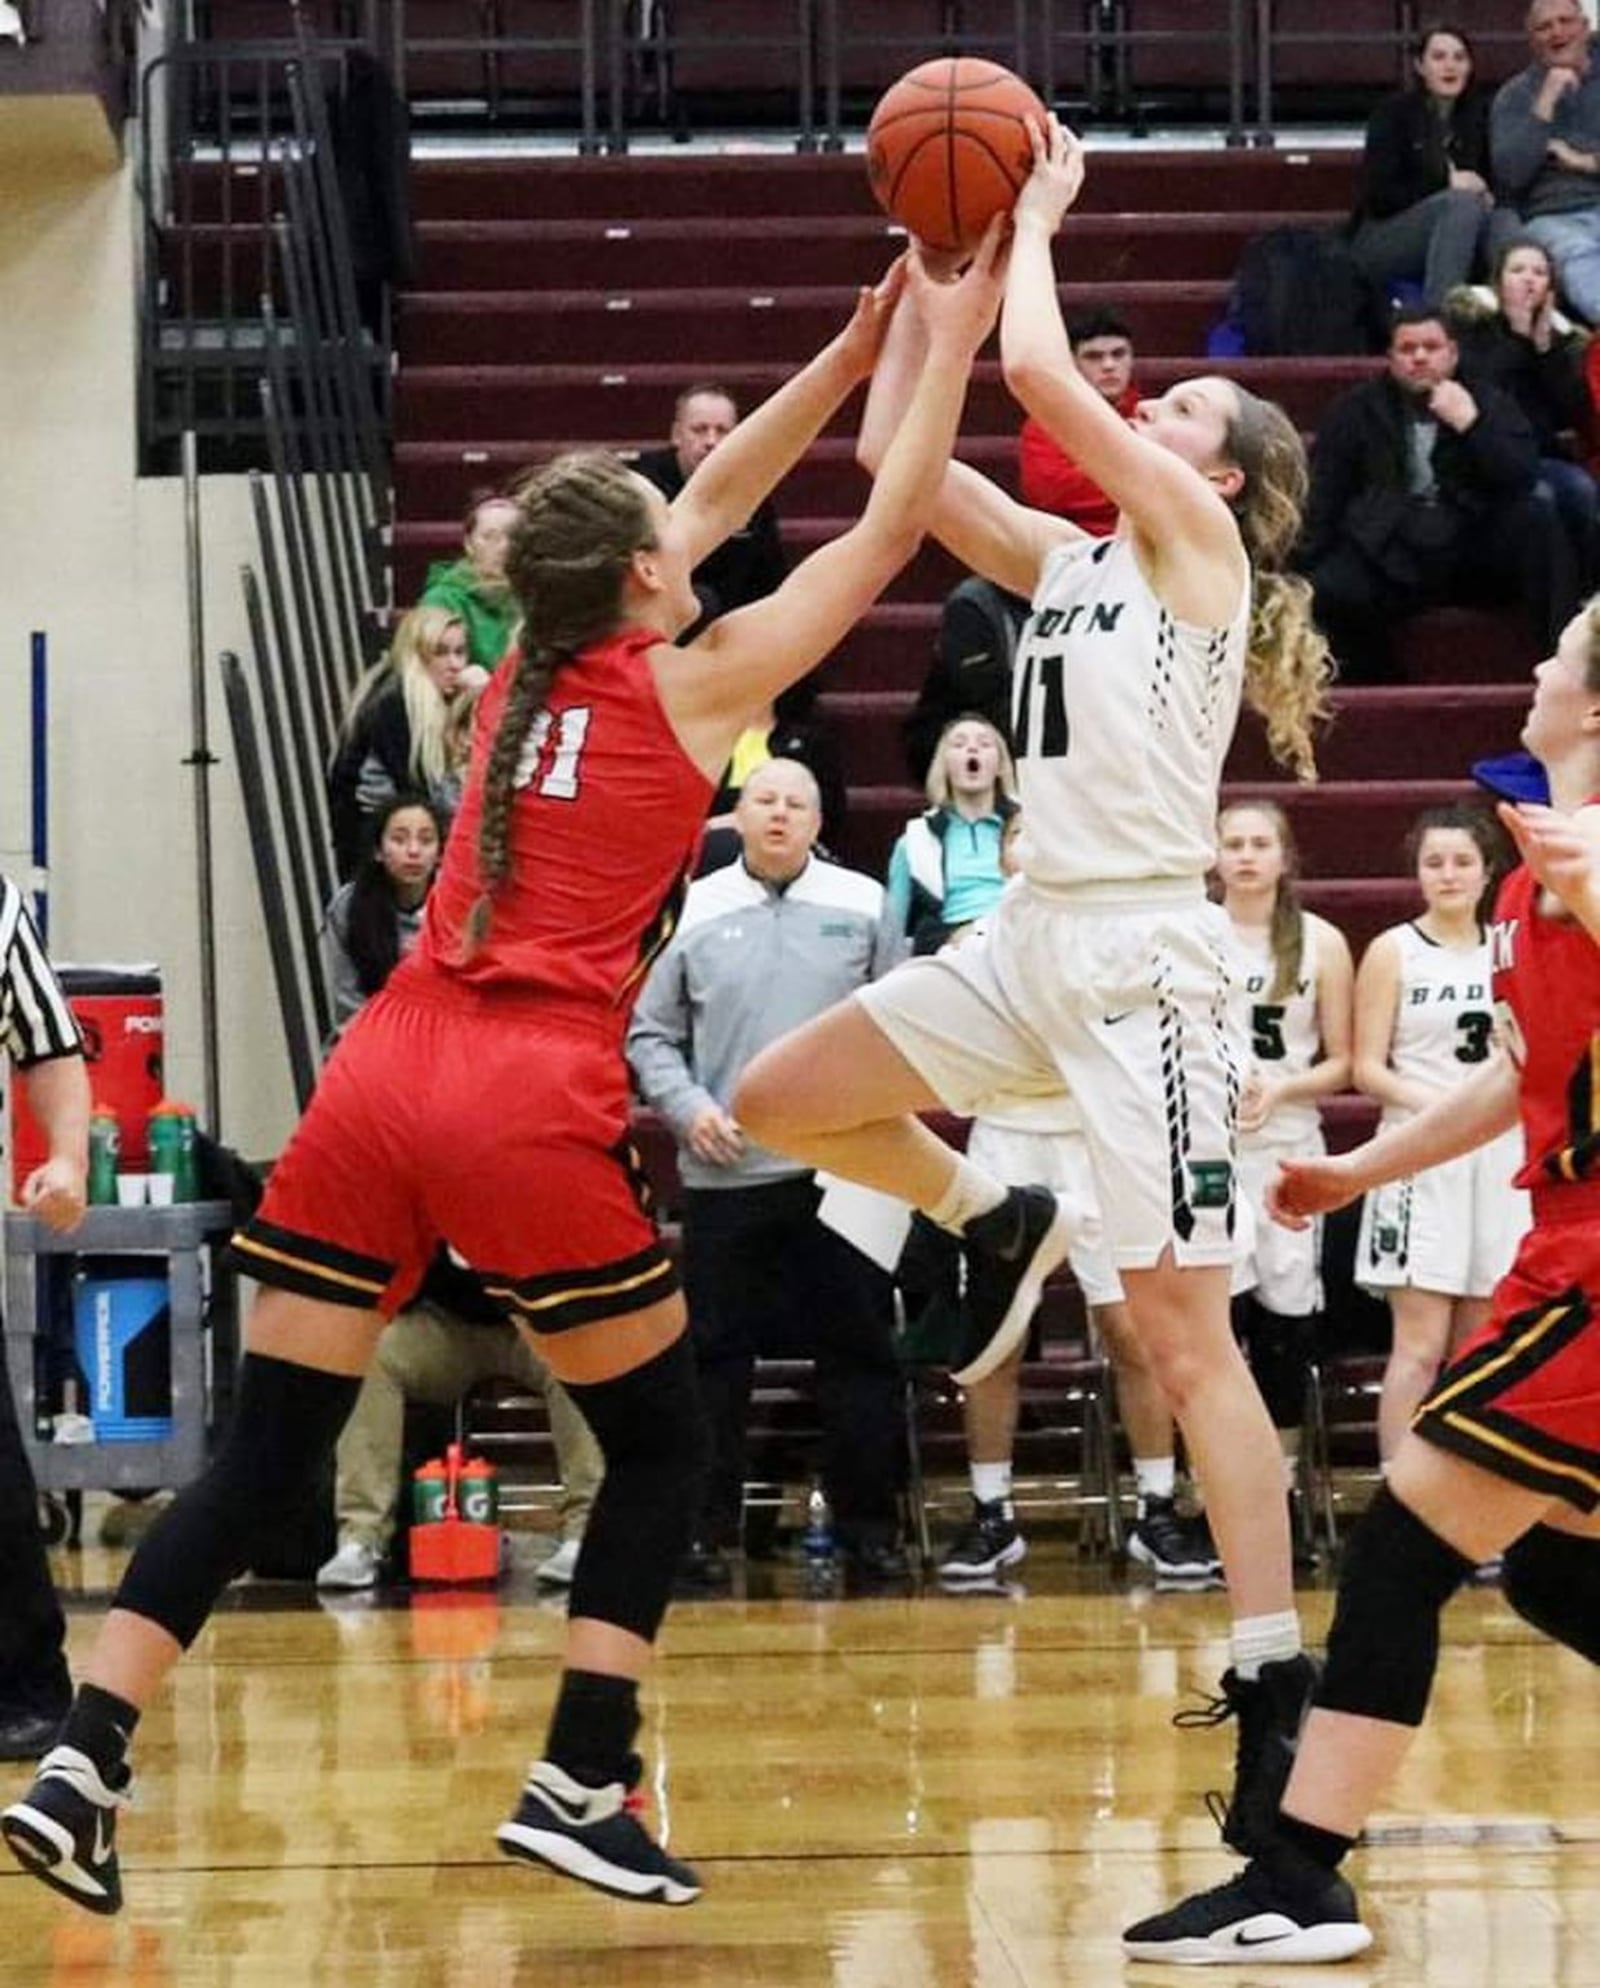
[(1288, 667)]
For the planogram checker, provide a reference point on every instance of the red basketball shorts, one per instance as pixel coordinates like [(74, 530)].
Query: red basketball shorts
[(1522, 1398), (497, 1124)]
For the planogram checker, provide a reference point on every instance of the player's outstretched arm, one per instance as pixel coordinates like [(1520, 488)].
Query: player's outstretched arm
[(728, 485), (1170, 504), (713, 687), (1464, 1118)]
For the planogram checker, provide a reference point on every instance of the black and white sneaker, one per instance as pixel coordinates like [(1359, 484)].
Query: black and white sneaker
[(1172, 1547), (64, 1830), (1270, 1709), (1261, 1915), (594, 1834), (1009, 1253), (989, 1542)]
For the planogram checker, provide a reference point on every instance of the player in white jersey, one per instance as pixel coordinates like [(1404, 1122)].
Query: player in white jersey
[(1105, 966), (1293, 995), (1434, 1244)]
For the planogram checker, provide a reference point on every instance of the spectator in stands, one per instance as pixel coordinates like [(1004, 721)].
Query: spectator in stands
[(1292, 991), (1425, 208), (971, 669), (408, 730), (39, 1034), (945, 869), (750, 564), (373, 921), (452, 1336), (1544, 134), (474, 588), (762, 945), (1423, 493), (1512, 336), (1434, 1244), (1102, 345)]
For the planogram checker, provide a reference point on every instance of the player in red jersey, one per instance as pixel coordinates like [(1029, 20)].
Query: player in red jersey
[(1503, 1457), (481, 1099)]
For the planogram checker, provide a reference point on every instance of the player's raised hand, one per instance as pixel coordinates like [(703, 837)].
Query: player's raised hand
[(1562, 850), (862, 337), (1057, 178), (1307, 1188), (962, 310)]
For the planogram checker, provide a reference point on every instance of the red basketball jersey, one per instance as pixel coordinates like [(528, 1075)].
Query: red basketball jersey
[(1547, 990), (605, 822)]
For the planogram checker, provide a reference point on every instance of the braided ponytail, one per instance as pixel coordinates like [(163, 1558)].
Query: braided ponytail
[(580, 520)]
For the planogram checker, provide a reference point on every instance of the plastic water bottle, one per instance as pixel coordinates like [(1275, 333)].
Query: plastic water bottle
[(171, 1137), (105, 1147), (816, 1542)]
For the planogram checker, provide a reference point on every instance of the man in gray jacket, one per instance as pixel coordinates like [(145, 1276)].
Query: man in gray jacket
[(763, 945), (1544, 141)]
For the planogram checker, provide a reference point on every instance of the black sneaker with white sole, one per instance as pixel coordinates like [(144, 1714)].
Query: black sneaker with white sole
[(1009, 1253), (593, 1834), (1281, 1909), (1169, 1545), (64, 1830), (1270, 1709), (989, 1542)]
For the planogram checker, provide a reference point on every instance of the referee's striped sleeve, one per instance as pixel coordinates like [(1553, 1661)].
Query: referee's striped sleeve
[(37, 1021)]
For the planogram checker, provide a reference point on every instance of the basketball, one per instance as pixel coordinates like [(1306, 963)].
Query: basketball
[(947, 148)]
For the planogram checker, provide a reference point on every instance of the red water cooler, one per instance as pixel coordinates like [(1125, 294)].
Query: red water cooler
[(120, 1013)]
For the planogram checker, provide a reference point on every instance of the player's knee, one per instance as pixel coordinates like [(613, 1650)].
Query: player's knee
[(1383, 1647), (1552, 1579), (270, 1468), (762, 1102)]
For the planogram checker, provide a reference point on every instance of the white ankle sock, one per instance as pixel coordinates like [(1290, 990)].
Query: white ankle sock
[(1255, 1640), (1154, 1477), (991, 1483), (971, 1193)]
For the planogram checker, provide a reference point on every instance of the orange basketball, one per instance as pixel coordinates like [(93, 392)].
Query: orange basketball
[(947, 148)]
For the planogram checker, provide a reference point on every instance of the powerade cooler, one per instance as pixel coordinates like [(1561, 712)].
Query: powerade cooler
[(119, 1010)]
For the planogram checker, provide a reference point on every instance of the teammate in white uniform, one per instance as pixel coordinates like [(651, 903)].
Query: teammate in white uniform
[(1293, 997), (1435, 1243), (1105, 965)]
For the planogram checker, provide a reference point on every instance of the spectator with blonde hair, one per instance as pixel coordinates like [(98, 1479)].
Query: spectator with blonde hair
[(408, 730), (946, 869)]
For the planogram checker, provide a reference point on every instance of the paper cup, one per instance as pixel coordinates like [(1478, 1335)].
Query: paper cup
[(160, 1186), (131, 1190)]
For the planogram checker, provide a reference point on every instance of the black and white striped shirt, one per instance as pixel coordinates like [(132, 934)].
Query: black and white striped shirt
[(36, 1023)]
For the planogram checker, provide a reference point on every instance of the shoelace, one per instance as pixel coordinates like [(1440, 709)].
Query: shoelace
[(1214, 1712)]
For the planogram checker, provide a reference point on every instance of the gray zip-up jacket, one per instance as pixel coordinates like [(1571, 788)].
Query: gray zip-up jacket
[(748, 962)]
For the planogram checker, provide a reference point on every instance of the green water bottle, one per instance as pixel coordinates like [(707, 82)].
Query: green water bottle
[(105, 1147), (171, 1137)]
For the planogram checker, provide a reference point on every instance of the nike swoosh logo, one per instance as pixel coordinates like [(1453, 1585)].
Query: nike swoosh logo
[(1243, 1939), (102, 1844), (1110, 1021), (574, 1812)]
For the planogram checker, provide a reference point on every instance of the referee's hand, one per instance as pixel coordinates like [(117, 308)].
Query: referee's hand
[(56, 1193)]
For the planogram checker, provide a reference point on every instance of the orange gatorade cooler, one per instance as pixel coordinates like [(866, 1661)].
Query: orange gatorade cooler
[(453, 1549)]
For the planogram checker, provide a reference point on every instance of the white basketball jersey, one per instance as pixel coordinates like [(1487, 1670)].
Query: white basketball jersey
[(1445, 1023), (1121, 717), (1282, 1031)]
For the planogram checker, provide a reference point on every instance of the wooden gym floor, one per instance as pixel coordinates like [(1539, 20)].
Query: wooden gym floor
[(899, 1792)]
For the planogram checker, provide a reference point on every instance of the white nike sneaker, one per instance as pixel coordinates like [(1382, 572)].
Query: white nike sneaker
[(1294, 1912)]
